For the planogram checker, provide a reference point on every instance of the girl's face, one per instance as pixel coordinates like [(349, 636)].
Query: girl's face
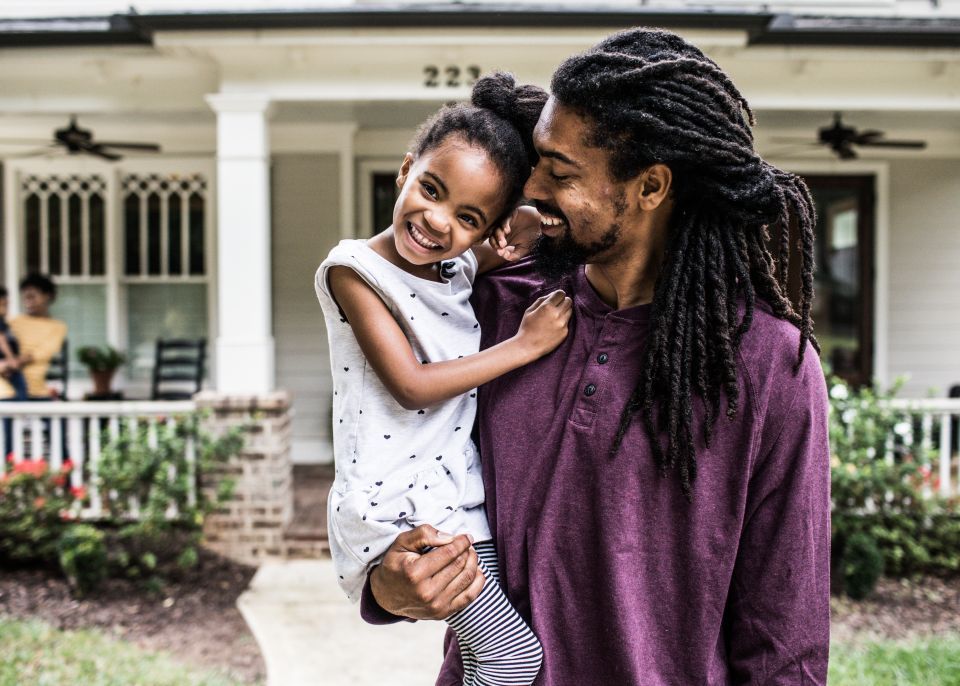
[(448, 201)]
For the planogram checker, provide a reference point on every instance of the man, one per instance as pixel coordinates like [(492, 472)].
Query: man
[(658, 487)]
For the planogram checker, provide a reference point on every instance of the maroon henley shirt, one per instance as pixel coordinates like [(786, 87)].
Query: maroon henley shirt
[(624, 581)]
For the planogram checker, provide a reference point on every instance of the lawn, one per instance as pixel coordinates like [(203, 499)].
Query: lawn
[(927, 662), (34, 653)]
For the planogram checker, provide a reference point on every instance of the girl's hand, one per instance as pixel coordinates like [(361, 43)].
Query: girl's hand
[(516, 237), (544, 324)]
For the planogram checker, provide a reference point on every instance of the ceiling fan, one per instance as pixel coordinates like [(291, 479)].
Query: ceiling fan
[(843, 139), (81, 141)]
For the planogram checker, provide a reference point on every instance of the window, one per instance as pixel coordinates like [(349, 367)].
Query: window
[(128, 246), (164, 231)]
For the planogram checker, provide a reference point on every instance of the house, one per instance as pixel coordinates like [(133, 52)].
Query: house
[(282, 129)]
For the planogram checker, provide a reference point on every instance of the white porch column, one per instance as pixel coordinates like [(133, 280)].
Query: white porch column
[(245, 349)]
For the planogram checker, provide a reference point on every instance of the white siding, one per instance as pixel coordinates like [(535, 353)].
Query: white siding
[(924, 330), (305, 226)]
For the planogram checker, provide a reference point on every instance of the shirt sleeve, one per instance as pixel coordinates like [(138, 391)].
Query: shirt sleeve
[(777, 624)]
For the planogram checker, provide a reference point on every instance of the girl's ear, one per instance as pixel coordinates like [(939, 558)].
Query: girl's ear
[(404, 169)]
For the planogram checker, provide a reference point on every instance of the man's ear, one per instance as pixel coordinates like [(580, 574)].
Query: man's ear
[(404, 169), (654, 186)]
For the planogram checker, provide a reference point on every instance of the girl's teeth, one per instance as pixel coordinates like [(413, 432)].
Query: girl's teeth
[(421, 239)]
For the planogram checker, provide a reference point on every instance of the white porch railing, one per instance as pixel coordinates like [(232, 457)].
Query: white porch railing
[(934, 427), (56, 431)]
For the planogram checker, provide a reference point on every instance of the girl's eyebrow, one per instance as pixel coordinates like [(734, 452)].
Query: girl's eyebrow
[(437, 180)]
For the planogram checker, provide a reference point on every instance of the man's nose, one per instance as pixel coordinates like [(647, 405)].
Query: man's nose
[(533, 189)]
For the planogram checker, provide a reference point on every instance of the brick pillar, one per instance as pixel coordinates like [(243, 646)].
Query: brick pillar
[(249, 528)]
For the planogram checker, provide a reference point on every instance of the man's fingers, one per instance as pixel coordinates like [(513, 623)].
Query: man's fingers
[(430, 564), (424, 536), (470, 591)]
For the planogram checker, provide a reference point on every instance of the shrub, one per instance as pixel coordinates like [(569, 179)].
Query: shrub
[(83, 557), (151, 496), (877, 480), (36, 505), (863, 565)]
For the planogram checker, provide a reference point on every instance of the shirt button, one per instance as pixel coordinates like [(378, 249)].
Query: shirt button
[(589, 390), (602, 358)]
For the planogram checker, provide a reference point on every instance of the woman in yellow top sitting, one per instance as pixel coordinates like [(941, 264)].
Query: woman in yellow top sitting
[(41, 337)]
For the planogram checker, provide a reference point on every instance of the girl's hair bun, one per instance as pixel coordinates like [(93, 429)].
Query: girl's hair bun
[(496, 92), (519, 105)]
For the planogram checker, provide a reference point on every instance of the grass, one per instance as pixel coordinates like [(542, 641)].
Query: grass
[(928, 662), (32, 652)]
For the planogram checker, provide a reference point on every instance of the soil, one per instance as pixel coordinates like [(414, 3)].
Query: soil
[(194, 617), (899, 609)]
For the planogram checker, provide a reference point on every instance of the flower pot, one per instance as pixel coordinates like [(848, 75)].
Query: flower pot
[(101, 381)]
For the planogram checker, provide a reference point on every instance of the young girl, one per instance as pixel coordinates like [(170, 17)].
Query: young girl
[(404, 347)]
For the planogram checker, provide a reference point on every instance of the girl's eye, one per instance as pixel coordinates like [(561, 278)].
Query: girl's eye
[(429, 189), (469, 220)]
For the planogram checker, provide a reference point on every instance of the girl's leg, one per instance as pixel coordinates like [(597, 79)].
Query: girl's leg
[(498, 647)]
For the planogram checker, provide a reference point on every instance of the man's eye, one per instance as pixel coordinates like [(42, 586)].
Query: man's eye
[(429, 189), (558, 177)]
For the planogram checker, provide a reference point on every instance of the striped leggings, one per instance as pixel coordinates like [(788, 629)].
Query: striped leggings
[(497, 646)]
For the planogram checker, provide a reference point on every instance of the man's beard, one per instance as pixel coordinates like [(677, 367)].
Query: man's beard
[(555, 257)]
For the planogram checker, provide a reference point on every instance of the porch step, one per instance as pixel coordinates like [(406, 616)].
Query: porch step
[(306, 536)]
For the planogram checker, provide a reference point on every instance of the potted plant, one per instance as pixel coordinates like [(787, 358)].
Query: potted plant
[(102, 361)]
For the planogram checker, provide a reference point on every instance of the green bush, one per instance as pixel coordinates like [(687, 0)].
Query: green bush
[(878, 476), (36, 506), (151, 493), (153, 505), (83, 557), (863, 565)]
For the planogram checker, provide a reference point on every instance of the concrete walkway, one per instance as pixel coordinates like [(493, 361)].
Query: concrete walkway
[(311, 635)]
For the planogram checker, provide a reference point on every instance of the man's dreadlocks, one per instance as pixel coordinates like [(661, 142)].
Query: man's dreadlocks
[(654, 98)]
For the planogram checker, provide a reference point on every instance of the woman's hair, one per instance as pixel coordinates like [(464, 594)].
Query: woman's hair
[(651, 97), (42, 283), (499, 119)]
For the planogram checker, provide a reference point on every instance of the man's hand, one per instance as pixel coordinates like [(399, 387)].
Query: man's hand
[(430, 585)]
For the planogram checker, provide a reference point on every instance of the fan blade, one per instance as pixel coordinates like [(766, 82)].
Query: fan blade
[(846, 153), (26, 141), (915, 145), (797, 140), (100, 152), (150, 147), (36, 152)]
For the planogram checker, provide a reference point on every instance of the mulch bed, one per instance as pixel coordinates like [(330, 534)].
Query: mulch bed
[(899, 609), (195, 617)]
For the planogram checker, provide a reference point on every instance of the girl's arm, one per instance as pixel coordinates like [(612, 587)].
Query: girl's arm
[(415, 385), (511, 241)]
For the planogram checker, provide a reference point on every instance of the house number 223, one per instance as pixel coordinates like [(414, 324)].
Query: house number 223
[(450, 76)]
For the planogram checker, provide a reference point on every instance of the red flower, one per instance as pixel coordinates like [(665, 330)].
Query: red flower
[(39, 502), (10, 457), (67, 465), (78, 492), (32, 467), (59, 480), (66, 516)]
